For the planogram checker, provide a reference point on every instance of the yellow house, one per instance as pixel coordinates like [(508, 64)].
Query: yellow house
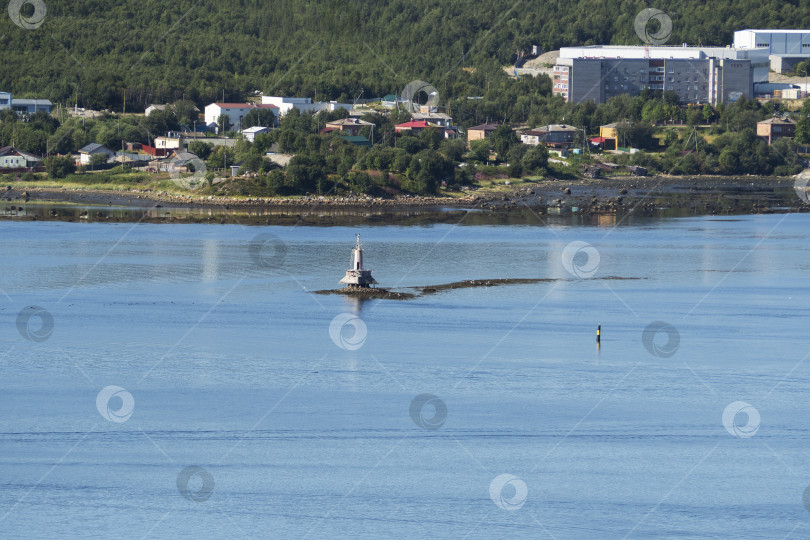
[(481, 132), (610, 136)]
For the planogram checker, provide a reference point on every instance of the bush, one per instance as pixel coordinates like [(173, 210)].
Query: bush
[(59, 166), (201, 149)]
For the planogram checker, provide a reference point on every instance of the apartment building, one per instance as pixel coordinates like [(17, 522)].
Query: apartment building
[(697, 74)]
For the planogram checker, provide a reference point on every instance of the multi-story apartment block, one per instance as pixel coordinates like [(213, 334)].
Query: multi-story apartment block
[(697, 74)]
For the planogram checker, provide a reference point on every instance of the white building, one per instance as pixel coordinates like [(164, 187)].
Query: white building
[(168, 143), (5, 100), (152, 108), (234, 111), (251, 132), (785, 47), (86, 154), (11, 158), (304, 105)]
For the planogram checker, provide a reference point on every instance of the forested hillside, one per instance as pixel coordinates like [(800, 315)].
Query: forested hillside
[(151, 51)]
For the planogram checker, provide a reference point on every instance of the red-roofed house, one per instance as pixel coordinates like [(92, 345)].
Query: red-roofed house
[(234, 111), (415, 126)]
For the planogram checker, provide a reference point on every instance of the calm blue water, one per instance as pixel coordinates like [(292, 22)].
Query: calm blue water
[(224, 361)]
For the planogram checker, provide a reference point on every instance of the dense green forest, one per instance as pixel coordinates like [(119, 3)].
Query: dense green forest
[(100, 53)]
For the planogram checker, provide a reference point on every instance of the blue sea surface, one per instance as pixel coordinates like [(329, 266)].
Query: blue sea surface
[(184, 381)]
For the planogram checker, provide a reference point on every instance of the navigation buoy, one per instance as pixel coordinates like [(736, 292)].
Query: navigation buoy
[(598, 333)]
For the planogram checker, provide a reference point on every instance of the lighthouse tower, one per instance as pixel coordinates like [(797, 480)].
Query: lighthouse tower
[(356, 277)]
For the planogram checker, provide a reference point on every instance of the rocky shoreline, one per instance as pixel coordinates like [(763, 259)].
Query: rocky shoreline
[(617, 195), (380, 293)]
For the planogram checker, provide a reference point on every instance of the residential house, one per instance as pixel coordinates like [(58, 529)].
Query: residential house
[(415, 126), (352, 126), (532, 137), (156, 107), (152, 108), (179, 162), (11, 158), (481, 132), (610, 136), (86, 154), (775, 128), (155, 151), (169, 143), (304, 105), (251, 132), (132, 158), (235, 112), (559, 135), (440, 119)]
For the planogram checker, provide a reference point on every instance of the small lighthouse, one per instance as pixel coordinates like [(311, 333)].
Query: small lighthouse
[(356, 277)]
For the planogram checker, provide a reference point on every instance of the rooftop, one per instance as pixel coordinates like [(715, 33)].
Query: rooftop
[(556, 127), (349, 122), (244, 105), (775, 31), (778, 121), (485, 127), (92, 147), (43, 102), (415, 124), (255, 129), (658, 52)]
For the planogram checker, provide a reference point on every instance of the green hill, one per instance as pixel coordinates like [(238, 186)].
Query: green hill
[(151, 51)]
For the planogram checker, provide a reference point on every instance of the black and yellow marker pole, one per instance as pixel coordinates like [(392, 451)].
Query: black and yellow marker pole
[(599, 334)]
